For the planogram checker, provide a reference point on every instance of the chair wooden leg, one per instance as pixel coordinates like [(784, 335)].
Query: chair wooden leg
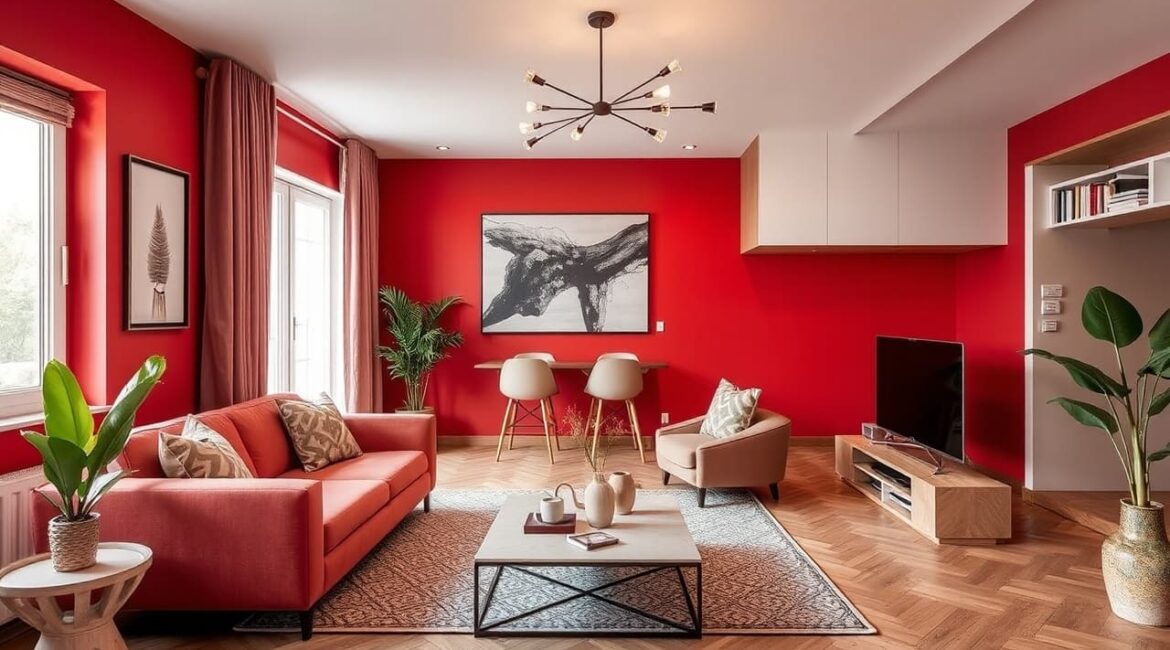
[(774, 488), (635, 428), (597, 426), (508, 413), (556, 429), (512, 426), (702, 497), (665, 477), (547, 436)]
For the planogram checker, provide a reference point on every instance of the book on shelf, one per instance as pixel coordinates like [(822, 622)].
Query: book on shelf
[(590, 541), (1126, 205), (1127, 182), (1083, 200)]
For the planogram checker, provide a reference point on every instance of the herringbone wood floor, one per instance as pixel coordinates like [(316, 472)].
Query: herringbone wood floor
[(1043, 590)]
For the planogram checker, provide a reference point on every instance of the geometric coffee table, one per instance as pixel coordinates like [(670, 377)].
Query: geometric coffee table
[(540, 585)]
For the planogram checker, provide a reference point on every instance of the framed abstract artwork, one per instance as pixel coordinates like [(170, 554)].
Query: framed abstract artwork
[(563, 273), (155, 245)]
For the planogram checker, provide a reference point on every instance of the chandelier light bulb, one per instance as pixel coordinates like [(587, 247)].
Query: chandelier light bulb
[(530, 142), (663, 108), (661, 92), (531, 77), (532, 107), (577, 133), (673, 66), (529, 127), (658, 134)]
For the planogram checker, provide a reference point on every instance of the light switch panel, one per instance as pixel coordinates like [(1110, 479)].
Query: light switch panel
[(1050, 307), (1052, 291), (1048, 326), (661, 326)]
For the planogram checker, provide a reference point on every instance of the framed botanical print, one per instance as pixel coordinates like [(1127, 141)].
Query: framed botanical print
[(157, 201)]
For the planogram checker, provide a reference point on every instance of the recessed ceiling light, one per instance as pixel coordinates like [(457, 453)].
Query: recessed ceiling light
[(690, 147), (443, 147)]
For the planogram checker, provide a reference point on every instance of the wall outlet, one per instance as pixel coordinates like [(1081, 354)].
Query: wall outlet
[(1052, 291), (666, 418), (1050, 307), (1048, 326), (660, 326)]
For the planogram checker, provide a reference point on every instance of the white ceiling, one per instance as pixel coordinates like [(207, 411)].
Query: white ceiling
[(407, 75)]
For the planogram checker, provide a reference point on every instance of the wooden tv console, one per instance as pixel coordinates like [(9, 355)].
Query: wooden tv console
[(958, 506)]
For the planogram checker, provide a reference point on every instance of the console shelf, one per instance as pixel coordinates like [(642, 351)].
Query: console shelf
[(959, 506)]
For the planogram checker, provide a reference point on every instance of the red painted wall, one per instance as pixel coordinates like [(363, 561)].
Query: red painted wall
[(800, 327), (990, 284), (140, 96), (301, 151)]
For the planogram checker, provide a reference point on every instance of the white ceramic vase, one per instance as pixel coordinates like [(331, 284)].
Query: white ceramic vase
[(624, 492), (599, 502)]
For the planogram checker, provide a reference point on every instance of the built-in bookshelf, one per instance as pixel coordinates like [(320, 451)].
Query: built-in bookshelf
[(1124, 195)]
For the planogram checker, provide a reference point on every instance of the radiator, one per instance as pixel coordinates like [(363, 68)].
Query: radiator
[(16, 518)]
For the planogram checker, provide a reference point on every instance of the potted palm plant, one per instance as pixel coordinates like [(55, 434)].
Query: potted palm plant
[(76, 459), (418, 342), (1135, 561)]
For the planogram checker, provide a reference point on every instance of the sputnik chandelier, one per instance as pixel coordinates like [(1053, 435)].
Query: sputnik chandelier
[(588, 110)]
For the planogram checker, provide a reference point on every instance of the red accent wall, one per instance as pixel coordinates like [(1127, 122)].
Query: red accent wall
[(801, 327), (137, 93), (990, 284), (301, 151)]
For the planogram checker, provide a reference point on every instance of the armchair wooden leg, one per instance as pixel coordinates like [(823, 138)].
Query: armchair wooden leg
[(508, 411), (547, 436), (702, 497), (306, 624), (665, 477), (774, 488)]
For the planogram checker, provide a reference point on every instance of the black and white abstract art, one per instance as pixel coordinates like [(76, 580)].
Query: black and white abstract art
[(566, 273)]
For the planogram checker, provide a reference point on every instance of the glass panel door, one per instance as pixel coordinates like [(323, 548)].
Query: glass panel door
[(311, 299)]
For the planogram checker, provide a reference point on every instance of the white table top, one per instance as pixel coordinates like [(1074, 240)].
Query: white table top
[(36, 574), (654, 533)]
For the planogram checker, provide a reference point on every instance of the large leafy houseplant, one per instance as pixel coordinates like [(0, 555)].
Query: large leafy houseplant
[(75, 457), (418, 341), (1128, 408)]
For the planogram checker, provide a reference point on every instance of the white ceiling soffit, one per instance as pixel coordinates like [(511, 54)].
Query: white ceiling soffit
[(408, 75)]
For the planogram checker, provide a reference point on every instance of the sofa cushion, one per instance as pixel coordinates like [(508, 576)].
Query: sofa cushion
[(397, 469), (346, 505), (731, 410), (679, 448), (318, 434), (262, 432), (200, 452)]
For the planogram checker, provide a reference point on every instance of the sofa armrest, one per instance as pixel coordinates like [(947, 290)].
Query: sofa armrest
[(685, 426), (218, 543), (757, 455), (396, 432)]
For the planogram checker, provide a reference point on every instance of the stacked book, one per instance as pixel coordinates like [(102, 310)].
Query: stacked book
[(1092, 198)]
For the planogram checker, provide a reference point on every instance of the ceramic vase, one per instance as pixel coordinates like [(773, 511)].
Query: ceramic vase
[(599, 502), (73, 544), (624, 492), (1135, 562)]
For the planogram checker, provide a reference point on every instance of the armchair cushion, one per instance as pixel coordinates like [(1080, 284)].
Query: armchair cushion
[(731, 410), (682, 448)]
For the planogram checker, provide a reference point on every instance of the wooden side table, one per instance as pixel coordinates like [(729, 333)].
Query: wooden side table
[(30, 588)]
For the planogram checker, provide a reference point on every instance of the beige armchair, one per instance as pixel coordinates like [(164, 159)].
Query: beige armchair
[(755, 456)]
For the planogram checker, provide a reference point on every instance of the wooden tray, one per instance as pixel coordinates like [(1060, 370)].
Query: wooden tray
[(534, 526)]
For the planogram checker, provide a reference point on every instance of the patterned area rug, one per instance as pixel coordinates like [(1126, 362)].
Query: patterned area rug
[(756, 578)]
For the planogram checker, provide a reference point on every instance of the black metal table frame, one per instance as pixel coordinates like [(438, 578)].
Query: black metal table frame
[(694, 605)]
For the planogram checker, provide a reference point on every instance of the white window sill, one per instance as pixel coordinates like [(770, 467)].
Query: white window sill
[(32, 419)]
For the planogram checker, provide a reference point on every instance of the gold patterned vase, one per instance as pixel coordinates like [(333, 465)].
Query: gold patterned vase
[(1135, 562)]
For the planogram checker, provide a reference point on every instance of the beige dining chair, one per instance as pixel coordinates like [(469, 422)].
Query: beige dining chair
[(615, 377), (543, 356), (552, 411), (526, 380)]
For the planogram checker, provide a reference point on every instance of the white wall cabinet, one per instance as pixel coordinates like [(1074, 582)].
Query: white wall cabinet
[(817, 191)]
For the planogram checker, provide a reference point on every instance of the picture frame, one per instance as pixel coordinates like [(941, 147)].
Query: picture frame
[(540, 273), (155, 252)]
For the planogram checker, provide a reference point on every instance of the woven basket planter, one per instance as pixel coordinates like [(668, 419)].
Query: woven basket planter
[(73, 544)]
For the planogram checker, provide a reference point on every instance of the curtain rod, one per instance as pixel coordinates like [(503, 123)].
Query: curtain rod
[(294, 117)]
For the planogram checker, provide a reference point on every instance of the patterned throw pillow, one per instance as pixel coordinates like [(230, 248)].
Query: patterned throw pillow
[(317, 432), (199, 452), (731, 410)]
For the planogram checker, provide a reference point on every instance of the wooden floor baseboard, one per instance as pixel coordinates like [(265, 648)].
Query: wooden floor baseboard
[(490, 440), (1097, 511)]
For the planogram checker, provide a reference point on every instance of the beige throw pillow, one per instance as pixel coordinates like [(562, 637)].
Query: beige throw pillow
[(731, 410), (317, 432), (199, 452)]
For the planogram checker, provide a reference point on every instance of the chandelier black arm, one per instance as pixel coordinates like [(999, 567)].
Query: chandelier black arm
[(623, 99), (636, 108), (565, 92), (631, 122), (567, 122), (562, 121)]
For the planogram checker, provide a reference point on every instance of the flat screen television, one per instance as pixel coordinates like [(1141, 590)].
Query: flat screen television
[(920, 391)]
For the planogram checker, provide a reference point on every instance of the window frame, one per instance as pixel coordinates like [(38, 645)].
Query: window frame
[(288, 184), (19, 404)]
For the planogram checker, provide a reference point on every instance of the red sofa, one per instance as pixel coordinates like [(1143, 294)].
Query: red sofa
[(275, 542)]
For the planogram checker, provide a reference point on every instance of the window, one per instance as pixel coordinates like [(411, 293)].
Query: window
[(32, 308), (305, 289)]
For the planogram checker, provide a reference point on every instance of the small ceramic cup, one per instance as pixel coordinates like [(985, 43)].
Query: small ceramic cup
[(552, 510)]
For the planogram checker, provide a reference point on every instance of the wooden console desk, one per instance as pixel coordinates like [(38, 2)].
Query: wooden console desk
[(958, 506), (583, 366)]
